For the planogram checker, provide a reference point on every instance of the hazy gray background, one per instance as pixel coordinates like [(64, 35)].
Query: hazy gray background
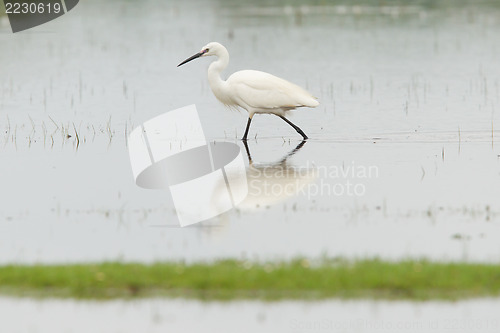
[(409, 87)]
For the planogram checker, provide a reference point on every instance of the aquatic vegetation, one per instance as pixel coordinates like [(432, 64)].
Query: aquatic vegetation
[(231, 279)]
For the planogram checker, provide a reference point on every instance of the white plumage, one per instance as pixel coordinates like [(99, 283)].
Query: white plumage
[(254, 91), (263, 91)]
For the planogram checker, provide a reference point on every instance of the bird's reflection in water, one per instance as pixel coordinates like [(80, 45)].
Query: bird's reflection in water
[(272, 183), (268, 184)]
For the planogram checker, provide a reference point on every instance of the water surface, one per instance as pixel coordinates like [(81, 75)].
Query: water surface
[(158, 315), (409, 89)]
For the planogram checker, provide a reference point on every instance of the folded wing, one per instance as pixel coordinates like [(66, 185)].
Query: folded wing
[(260, 90)]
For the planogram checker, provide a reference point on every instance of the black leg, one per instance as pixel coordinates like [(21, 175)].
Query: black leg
[(244, 138), (295, 127), (248, 151)]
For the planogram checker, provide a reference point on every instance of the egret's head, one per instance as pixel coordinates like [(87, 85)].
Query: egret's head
[(211, 49)]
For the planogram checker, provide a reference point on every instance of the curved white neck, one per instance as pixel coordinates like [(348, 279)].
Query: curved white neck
[(215, 69)]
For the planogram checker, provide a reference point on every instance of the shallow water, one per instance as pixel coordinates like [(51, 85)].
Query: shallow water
[(409, 90), (157, 315)]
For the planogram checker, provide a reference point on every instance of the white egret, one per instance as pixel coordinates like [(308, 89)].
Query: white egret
[(254, 91)]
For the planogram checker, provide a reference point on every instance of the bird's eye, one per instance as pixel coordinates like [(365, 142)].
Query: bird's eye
[(206, 50)]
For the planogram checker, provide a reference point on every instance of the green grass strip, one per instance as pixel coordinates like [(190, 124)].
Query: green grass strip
[(230, 279)]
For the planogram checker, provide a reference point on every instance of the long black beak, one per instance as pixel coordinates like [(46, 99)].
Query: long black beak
[(197, 55)]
